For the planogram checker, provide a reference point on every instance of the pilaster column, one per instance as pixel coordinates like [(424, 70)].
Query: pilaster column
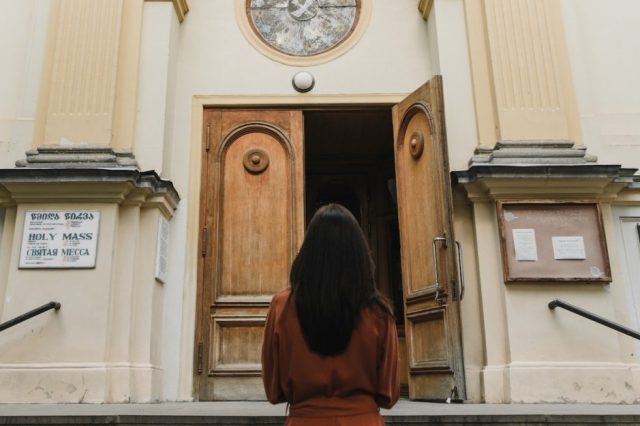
[(90, 77), (522, 82)]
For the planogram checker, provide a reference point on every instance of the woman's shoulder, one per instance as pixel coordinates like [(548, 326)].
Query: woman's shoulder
[(282, 295), (280, 298), (380, 311)]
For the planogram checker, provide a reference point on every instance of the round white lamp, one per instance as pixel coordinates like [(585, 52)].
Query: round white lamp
[(303, 81)]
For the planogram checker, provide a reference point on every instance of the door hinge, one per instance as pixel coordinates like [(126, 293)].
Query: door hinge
[(453, 395), (200, 357), (204, 239), (207, 146), (453, 285)]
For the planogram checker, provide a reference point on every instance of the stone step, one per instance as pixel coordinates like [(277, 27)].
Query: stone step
[(260, 413)]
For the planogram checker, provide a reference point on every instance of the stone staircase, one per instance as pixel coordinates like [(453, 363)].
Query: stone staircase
[(260, 413)]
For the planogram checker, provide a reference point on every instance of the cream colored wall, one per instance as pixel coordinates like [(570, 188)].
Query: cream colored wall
[(627, 219), (511, 339), (448, 46), (449, 52), (155, 83), (604, 50), (103, 345), (156, 91), (524, 74), (74, 334), (6, 239), (214, 59), (533, 354), (471, 303), (24, 28)]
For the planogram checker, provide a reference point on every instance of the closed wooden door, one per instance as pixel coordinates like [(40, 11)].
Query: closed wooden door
[(432, 326), (252, 225)]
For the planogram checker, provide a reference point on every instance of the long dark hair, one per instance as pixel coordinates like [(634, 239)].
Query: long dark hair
[(332, 279)]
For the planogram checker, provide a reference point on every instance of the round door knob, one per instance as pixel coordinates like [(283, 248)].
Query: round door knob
[(255, 161), (416, 145)]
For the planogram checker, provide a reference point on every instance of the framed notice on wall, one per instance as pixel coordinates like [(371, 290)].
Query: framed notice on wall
[(553, 241), (59, 239)]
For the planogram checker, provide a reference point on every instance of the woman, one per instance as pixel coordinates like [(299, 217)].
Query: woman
[(330, 344)]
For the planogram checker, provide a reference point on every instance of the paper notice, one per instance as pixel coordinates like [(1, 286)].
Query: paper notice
[(524, 241), (568, 248)]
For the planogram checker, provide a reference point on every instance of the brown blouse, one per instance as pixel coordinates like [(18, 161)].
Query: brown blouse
[(345, 389)]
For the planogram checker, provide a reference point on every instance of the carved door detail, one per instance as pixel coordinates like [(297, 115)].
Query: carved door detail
[(434, 348), (252, 227)]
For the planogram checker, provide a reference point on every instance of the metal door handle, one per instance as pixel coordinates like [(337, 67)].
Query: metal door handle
[(435, 264), (460, 269)]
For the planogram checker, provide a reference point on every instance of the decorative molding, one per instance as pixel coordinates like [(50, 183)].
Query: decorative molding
[(526, 73), (541, 169), (297, 100), (532, 152), (198, 103), (87, 94), (566, 182), (78, 156), (181, 7), (329, 55), (522, 81), (78, 85), (116, 185), (424, 6)]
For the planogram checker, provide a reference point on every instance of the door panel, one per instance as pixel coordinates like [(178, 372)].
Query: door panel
[(253, 220), (252, 228), (432, 323)]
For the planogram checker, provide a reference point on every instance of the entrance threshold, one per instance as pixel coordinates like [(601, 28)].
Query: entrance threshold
[(262, 413)]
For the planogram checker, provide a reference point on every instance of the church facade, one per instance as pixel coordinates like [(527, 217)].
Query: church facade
[(159, 161)]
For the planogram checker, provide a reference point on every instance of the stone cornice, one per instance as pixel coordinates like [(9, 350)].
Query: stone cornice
[(597, 181), (78, 157), (120, 186), (541, 169)]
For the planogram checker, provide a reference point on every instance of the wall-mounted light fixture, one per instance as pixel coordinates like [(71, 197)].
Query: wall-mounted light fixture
[(303, 81)]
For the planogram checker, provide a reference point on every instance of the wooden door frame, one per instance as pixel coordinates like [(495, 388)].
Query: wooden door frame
[(193, 278)]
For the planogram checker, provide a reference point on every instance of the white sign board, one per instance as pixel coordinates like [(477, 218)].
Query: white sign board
[(524, 241), (568, 248), (162, 250), (59, 239)]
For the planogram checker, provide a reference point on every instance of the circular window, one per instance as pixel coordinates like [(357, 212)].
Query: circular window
[(303, 28)]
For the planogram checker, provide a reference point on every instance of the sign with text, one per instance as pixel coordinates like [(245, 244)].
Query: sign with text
[(162, 250), (553, 241), (59, 239), (524, 241), (568, 248)]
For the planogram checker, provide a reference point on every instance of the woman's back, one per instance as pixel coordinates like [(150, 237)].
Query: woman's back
[(330, 343), (352, 383)]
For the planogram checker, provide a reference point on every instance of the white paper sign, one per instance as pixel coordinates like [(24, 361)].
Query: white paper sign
[(162, 250), (59, 239), (568, 248), (524, 241)]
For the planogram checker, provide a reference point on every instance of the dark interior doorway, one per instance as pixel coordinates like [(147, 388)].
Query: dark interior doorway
[(349, 160)]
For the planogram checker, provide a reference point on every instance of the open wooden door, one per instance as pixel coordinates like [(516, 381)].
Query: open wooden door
[(252, 226), (432, 324)]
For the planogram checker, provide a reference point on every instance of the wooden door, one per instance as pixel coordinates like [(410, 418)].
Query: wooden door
[(252, 225), (432, 325)]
